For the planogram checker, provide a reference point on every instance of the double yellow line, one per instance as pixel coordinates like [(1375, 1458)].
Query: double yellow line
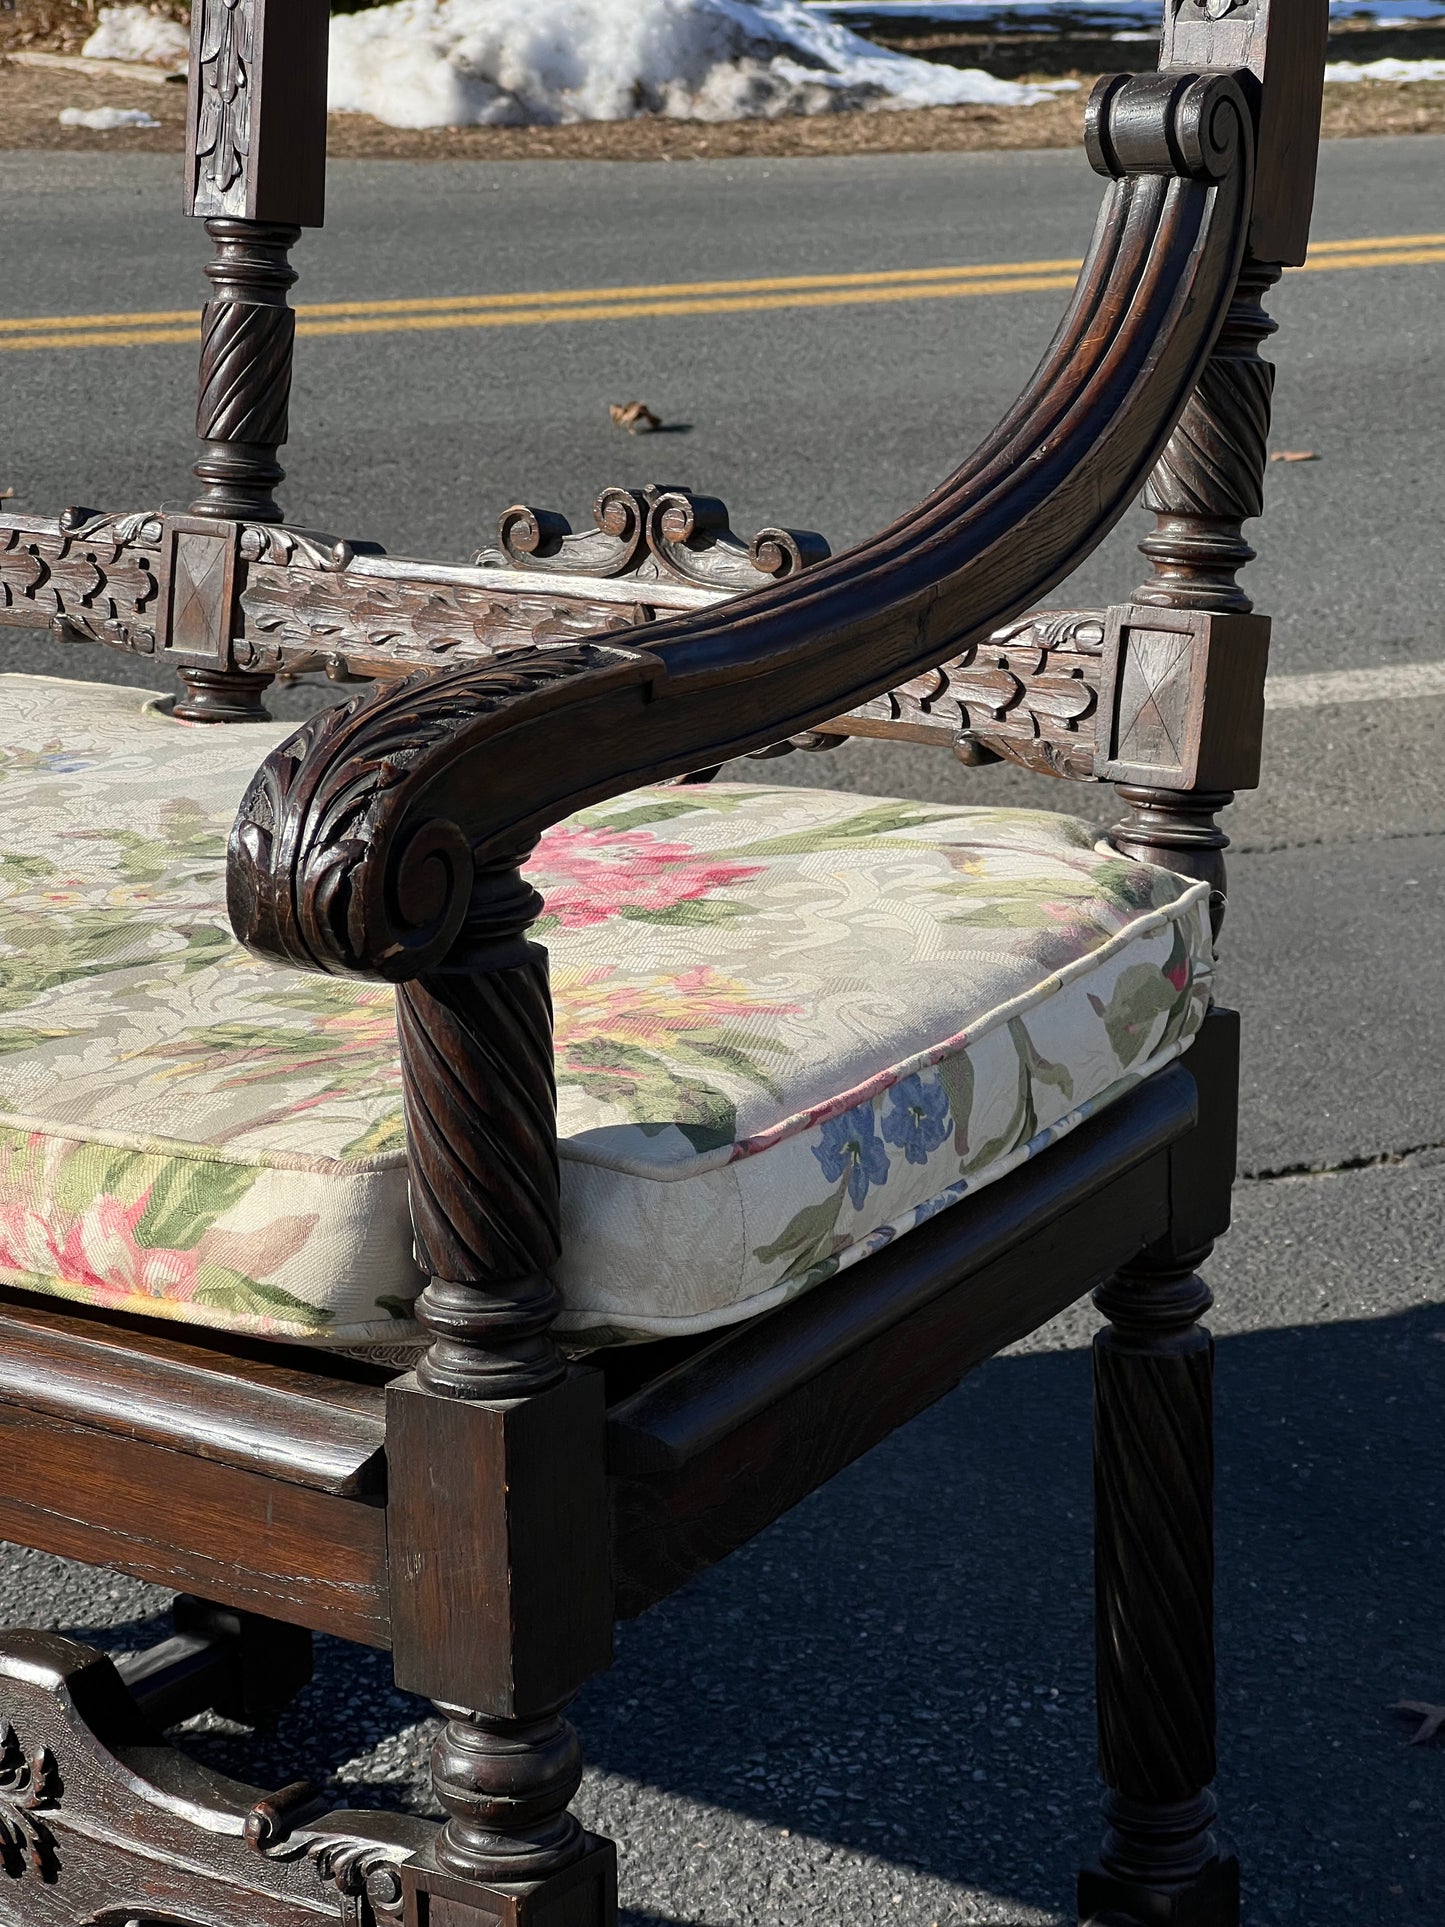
[(554, 305)]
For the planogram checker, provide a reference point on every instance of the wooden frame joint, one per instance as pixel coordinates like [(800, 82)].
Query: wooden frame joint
[(1181, 700)]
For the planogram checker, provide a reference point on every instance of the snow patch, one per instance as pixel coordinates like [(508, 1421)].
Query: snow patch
[(469, 63), (1385, 70), (135, 33), (105, 120)]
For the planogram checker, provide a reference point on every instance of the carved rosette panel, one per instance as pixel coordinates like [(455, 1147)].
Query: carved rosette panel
[(226, 52), (99, 580)]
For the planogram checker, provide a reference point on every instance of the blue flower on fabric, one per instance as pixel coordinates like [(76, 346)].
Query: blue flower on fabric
[(850, 1144), (919, 1119)]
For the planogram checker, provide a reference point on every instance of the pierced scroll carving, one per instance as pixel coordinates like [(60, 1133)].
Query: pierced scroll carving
[(1030, 694), (223, 49), (29, 1785), (119, 1827), (655, 535), (95, 579), (366, 1874)]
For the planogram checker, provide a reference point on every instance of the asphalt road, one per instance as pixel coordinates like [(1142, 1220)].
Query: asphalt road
[(880, 1710)]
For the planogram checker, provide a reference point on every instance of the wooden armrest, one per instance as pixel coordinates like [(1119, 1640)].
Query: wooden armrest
[(359, 845)]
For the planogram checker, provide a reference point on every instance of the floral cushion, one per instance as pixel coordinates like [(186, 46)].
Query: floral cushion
[(791, 1025)]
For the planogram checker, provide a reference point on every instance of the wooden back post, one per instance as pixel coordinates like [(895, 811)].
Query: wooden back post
[(256, 174)]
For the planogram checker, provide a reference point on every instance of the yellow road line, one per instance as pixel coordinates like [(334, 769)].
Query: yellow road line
[(550, 306)]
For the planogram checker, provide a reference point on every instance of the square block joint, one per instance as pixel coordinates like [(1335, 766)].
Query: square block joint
[(583, 1894), (1181, 700)]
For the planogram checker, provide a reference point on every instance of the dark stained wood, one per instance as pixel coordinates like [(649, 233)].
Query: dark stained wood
[(716, 1449), (499, 1545), (300, 1426), (256, 170), (231, 1536), (498, 1509), (242, 1665), (385, 838), (107, 1823), (1209, 481), (1154, 1540), (1281, 42), (256, 126)]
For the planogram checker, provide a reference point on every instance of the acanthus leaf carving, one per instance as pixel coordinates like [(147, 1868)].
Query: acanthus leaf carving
[(29, 1785), (341, 859), (223, 123)]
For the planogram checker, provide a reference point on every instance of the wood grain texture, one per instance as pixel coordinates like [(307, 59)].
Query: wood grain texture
[(232, 1536), (300, 1425), (1282, 43), (1154, 1541), (499, 1546), (105, 1822), (256, 124)]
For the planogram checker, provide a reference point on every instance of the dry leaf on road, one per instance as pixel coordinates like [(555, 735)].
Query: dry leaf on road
[(635, 416), (1294, 455), (7, 495), (1431, 1718)]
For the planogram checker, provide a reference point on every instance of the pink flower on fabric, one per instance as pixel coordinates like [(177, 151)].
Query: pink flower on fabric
[(97, 1253), (588, 876)]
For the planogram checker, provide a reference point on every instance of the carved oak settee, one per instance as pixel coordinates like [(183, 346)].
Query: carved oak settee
[(361, 1280)]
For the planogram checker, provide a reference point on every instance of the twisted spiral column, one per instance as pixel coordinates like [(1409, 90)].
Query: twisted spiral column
[(481, 1113), (1154, 1602), (248, 342), (1206, 485)]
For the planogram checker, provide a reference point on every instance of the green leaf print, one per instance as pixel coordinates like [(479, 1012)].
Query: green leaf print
[(885, 820), (17, 1039), (385, 1135), (220, 1289), (1040, 1069), (394, 1307), (955, 1074), (1142, 995), (634, 817), (692, 914), (26, 869), (186, 1200), (190, 841), (1022, 1123), (647, 1088), (808, 1237), (93, 1171)]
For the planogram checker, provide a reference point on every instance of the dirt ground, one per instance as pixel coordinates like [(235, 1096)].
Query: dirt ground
[(31, 99)]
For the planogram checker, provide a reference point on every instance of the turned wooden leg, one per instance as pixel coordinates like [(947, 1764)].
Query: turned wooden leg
[(497, 1513), (1154, 1605)]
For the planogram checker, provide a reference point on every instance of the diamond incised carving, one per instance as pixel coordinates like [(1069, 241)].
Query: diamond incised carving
[(1153, 711)]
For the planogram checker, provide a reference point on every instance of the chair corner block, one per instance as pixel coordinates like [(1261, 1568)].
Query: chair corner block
[(581, 1894), (499, 1545)]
